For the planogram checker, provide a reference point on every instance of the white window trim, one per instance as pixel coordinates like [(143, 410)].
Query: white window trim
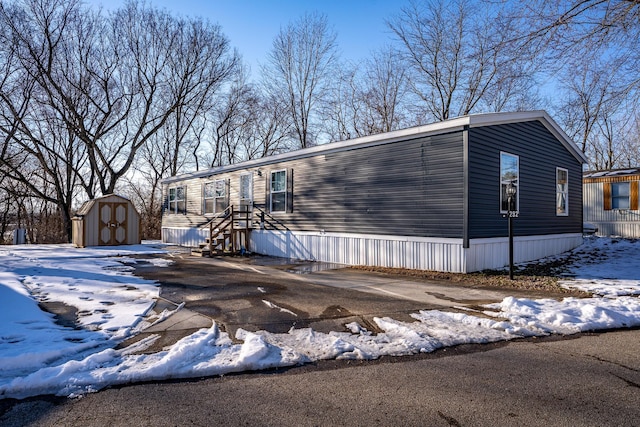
[(214, 198), (566, 193), (224, 197), (174, 210), (271, 192), (205, 198), (517, 184), (250, 175)]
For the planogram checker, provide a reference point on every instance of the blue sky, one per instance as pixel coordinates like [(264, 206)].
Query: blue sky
[(251, 25)]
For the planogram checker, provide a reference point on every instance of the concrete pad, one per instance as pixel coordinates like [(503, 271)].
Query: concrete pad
[(423, 291), (182, 319)]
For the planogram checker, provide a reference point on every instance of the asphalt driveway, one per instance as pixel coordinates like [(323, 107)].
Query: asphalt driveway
[(274, 294)]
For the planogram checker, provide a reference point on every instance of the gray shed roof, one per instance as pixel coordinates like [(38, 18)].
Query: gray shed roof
[(86, 206), (473, 120)]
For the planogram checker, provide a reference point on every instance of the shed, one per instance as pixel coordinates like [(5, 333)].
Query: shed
[(611, 201), (430, 197), (106, 221)]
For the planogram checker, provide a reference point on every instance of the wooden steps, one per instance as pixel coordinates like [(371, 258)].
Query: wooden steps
[(228, 233)]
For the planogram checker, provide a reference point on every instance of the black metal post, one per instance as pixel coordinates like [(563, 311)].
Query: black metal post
[(510, 245), (511, 213)]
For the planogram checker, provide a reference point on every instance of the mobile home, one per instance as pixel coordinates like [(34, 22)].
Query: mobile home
[(430, 197)]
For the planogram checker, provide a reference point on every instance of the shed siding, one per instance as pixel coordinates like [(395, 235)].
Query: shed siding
[(86, 227), (540, 153)]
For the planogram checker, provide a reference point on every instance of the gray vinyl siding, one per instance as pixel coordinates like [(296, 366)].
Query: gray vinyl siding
[(408, 188), (194, 216), (540, 153), (413, 187)]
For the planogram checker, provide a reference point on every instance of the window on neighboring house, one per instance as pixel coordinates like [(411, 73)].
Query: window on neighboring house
[(509, 174), (177, 202), (278, 192), (562, 191), (620, 195)]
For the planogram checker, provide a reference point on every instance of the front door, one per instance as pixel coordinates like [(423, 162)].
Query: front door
[(112, 223), (246, 196), (246, 190)]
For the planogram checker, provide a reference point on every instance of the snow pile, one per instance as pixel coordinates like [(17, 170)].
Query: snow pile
[(39, 357)]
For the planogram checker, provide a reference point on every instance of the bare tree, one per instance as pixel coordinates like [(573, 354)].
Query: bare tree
[(385, 87), (39, 150), (84, 93), (270, 129), (594, 45), (567, 26), (343, 109), (369, 97), (459, 56), (298, 71)]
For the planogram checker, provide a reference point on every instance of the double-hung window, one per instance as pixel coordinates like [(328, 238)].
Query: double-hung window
[(215, 196), (208, 196), (562, 191), (278, 193), (177, 202), (509, 175)]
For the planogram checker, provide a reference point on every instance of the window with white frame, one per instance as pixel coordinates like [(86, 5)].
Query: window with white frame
[(509, 175), (278, 193), (620, 195), (177, 202), (214, 195), (208, 196), (562, 191), (246, 189)]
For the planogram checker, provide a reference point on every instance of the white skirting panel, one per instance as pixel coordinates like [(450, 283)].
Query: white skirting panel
[(408, 252), (185, 236), (494, 253), (630, 229)]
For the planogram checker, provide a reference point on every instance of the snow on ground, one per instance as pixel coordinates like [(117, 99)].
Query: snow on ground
[(37, 356), (607, 267)]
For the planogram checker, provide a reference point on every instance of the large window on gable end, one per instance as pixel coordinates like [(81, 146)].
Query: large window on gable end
[(177, 200), (278, 191), (620, 195), (509, 174), (562, 191)]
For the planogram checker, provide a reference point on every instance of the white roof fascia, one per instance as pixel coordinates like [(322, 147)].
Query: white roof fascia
[(451, 125)]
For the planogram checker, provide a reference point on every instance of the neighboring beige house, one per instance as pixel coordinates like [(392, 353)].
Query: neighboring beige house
[(611, 202)]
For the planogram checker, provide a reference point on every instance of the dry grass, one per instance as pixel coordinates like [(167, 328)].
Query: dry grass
[(538, 277)]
